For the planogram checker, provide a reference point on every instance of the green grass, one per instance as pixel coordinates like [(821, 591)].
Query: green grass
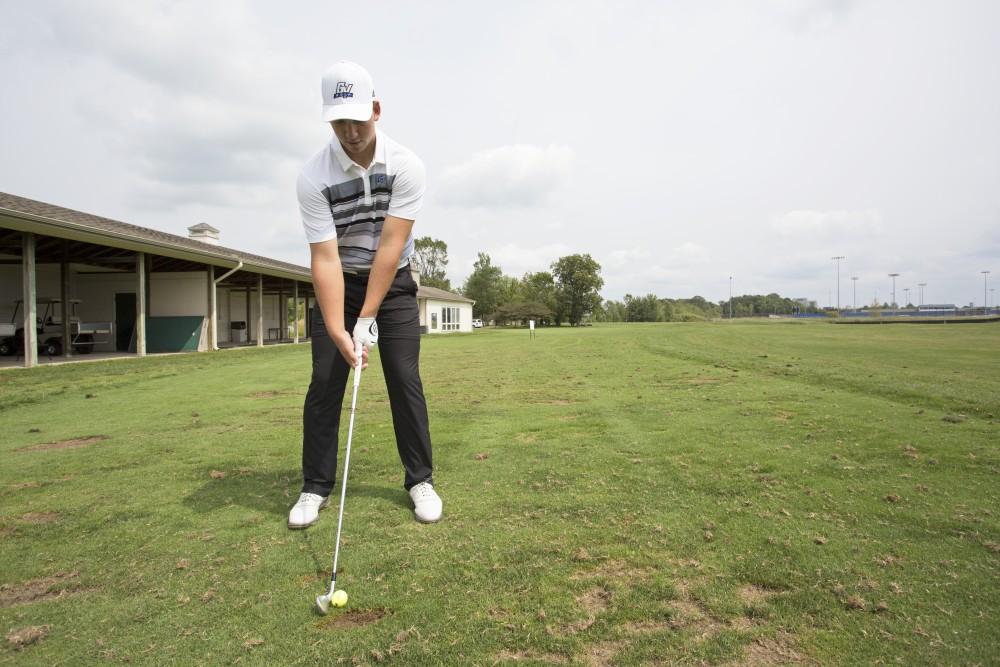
[(718, 493)]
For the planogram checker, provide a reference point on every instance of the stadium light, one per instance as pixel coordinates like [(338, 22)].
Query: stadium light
[(837, 259), (986, 275), (854, 298), (893, 276), (730, 297), (907, 291), (921, 286)]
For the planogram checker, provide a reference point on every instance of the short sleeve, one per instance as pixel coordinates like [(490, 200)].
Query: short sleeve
[(408, 189), (317, 219)]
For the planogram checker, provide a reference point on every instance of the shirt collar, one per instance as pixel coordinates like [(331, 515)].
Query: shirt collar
[(346, 163)]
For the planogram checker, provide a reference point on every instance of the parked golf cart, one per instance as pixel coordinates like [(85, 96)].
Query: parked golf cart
[(50, 331)]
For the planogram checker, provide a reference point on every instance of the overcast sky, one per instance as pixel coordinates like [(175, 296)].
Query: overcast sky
[(679, 143)]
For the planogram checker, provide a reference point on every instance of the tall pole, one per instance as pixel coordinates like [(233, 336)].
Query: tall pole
[(854, 299), (921, 286), (986, 275), (906, 290), (730, 297), (893, 276), (837, 259)]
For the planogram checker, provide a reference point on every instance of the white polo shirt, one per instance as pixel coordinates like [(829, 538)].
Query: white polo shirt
[(341, 199)]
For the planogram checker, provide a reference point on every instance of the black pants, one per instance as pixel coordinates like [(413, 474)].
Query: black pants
[(399, 352)]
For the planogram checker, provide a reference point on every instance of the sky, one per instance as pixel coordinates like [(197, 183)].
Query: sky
[(689, 147)]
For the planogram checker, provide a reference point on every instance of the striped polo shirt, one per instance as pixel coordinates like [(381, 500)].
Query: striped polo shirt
[(341, 199)]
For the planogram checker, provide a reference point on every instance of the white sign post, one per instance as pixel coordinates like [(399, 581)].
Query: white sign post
[(531, 329)]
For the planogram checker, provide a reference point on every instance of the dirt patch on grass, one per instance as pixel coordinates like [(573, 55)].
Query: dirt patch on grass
[(646, 627), (526, 438), (783, 416), (557, 401), (272, 393), (776, 650), (354, 618), (616, 569), (22, 637), (601, 655), (24, 485), (521, 656), (73, 443), (35, 590), (705, 379), (595, 600), (754, 596), (39, 517)]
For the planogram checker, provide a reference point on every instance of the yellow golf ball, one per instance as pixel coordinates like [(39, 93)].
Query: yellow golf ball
[(339, 598)]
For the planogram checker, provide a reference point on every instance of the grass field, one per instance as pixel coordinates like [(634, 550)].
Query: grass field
[(675, 494)]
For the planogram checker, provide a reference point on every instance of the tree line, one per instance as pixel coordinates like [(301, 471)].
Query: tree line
[(568, 292)]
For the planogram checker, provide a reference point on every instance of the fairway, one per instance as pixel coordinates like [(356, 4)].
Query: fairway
[(717, 493)]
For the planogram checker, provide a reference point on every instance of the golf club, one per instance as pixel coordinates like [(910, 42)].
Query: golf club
[(323, 601)]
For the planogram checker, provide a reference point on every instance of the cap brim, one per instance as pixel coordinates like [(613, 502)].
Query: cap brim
[(361, 112)]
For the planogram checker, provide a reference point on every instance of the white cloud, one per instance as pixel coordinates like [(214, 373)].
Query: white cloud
[(812, 15), (827, 224), (515, 176)]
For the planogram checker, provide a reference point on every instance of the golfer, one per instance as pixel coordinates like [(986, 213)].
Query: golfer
[(359, 196)]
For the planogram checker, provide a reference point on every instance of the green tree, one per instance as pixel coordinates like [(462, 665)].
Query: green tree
[(644, 308), (508, 290), (578, 278), (522, 311), (431, 258), (540, 288), (483, 285)]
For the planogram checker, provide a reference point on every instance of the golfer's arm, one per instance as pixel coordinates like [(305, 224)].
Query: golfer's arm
[(395, 231), (328, 281)]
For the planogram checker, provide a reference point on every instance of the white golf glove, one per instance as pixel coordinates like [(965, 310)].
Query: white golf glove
[(365, 332)]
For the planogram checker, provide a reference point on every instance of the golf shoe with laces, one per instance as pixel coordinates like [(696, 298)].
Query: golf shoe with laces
[(426, 503), (306, 511)]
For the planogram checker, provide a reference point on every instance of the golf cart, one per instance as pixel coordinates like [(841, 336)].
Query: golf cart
[(83, 335)]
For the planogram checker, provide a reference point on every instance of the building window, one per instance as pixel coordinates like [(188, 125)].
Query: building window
[(449, 319), (434, 320)]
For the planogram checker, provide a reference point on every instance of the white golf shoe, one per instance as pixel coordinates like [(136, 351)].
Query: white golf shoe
[(306, 511), (426, 503)]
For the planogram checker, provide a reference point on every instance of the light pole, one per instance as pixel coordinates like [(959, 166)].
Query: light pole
[(986, 275), (854, 299), (907, 291), (921, 286), (730, 297), (837, 259), (893, 276)]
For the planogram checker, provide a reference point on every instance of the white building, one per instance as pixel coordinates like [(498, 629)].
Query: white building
[(443, 312)]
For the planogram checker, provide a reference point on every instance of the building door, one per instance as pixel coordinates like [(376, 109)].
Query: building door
[(124, 320)]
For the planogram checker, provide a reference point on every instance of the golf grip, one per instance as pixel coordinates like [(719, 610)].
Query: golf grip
[(347, 463)]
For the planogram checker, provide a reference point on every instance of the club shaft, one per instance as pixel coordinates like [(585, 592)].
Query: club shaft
[(347, 464)]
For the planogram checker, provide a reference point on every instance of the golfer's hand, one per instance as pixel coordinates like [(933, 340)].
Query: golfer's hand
[(345, 344), (366, 332)]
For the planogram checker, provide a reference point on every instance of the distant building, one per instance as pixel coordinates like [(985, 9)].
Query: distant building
[(442, 311), (937, 308), (804, 302)]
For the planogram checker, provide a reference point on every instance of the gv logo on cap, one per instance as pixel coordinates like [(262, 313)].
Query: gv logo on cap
[(343, 90)]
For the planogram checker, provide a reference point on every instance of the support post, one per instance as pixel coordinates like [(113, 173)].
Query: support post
[(140, 305), (260, 310), (282, 314), (213, 320), (295, 311), (67, 311), (28, 299)]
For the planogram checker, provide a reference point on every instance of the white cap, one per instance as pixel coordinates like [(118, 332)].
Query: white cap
[(348, 92)]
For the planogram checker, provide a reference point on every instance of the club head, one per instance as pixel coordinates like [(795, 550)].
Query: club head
[(323, 604)]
